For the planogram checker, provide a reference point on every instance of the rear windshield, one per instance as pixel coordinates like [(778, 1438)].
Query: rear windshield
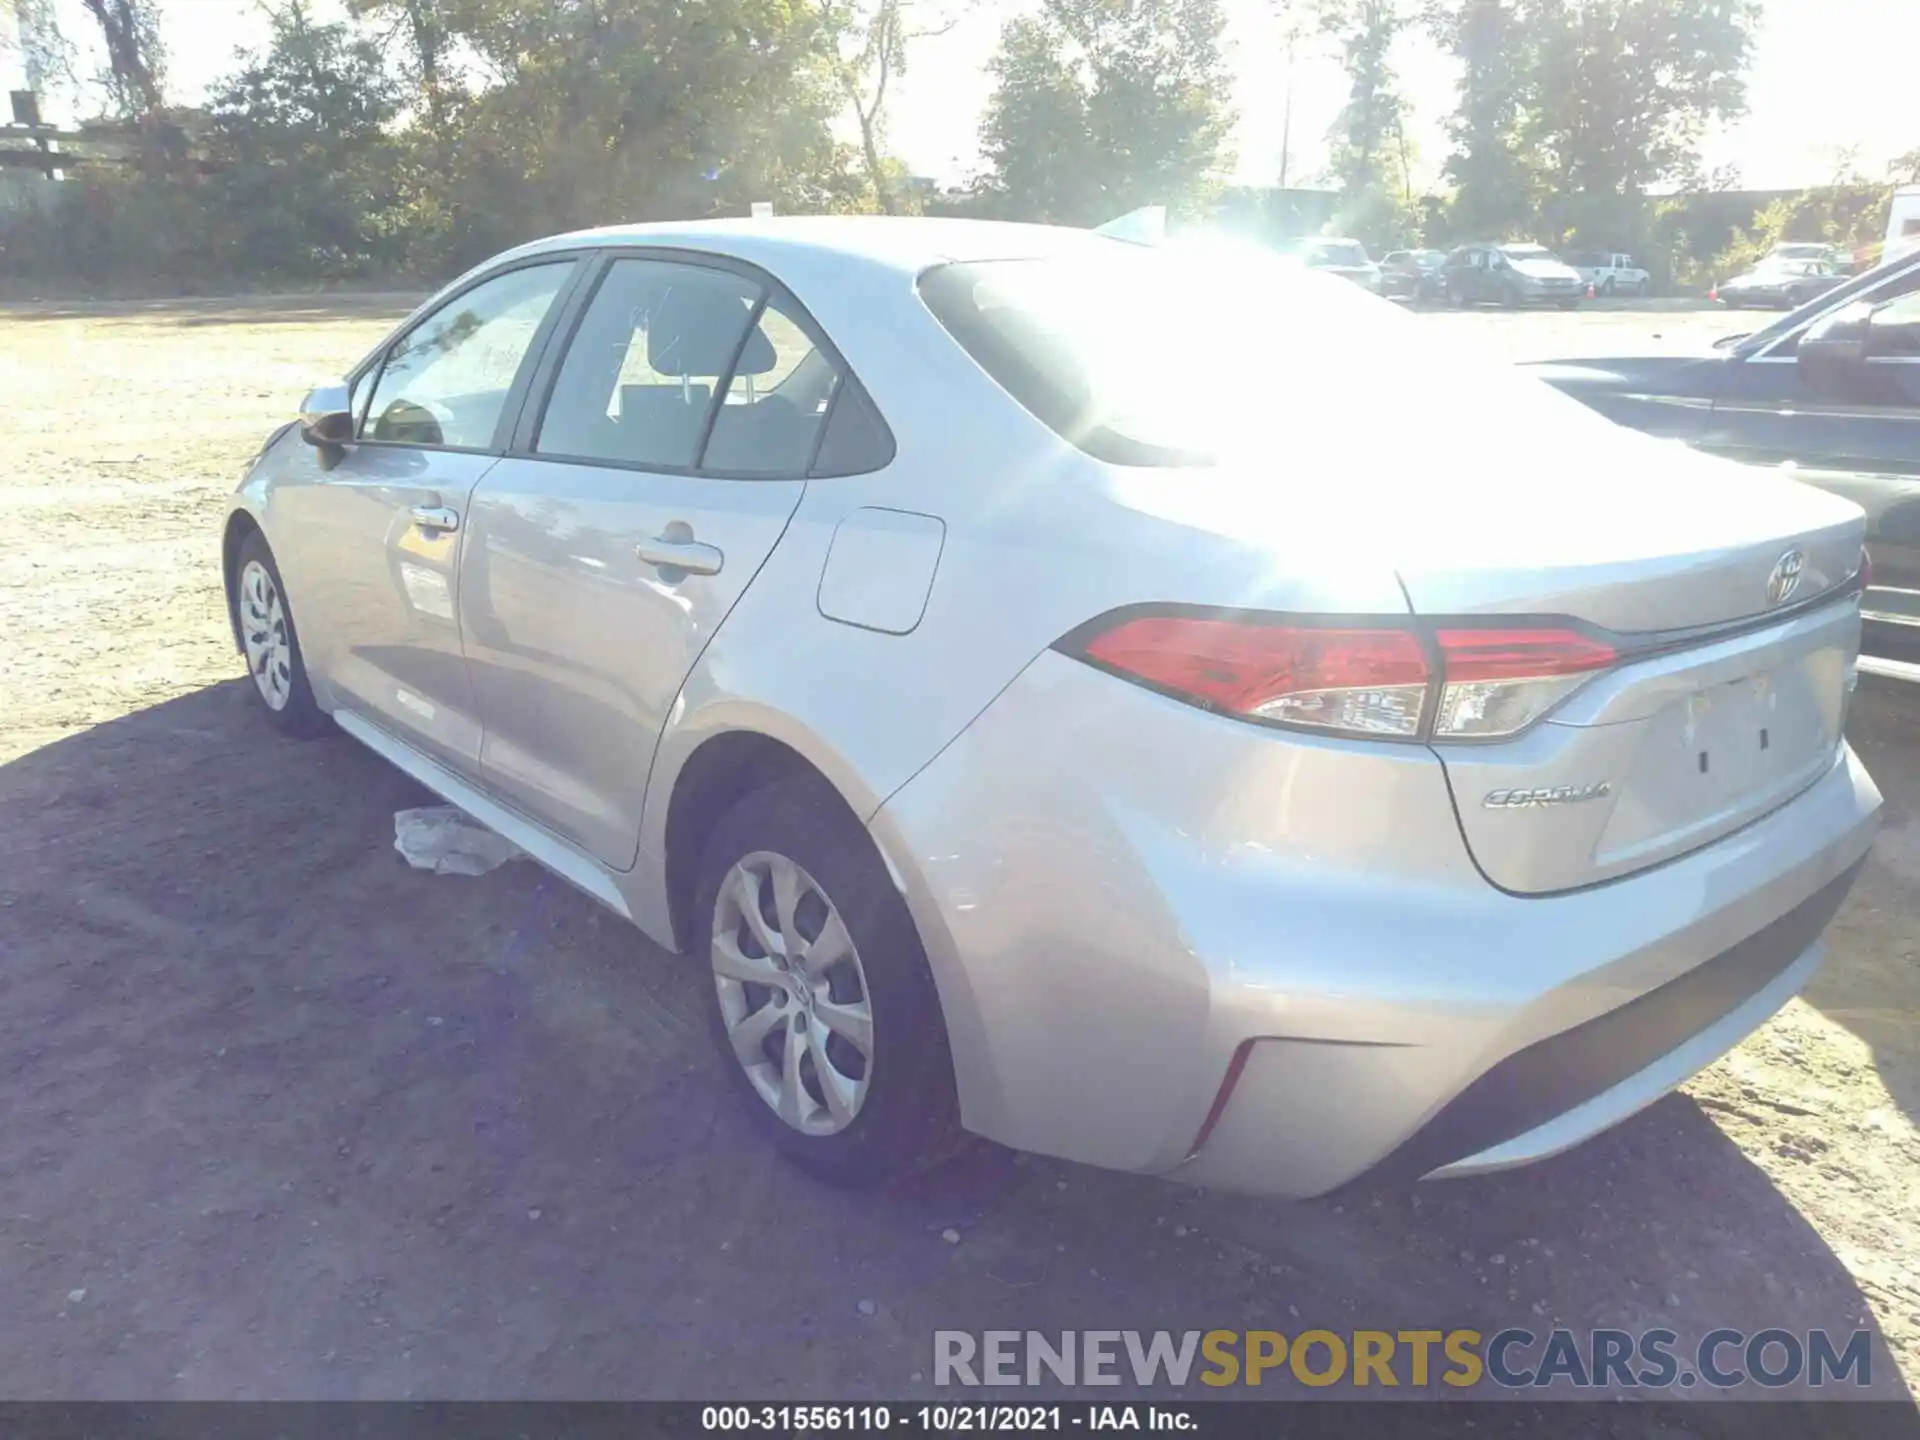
[(1151, 357)]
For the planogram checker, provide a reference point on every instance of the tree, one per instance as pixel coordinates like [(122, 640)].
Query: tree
[(1622, 91), (130, 29), (645, 109), (424, 30), (1101, 106), (298, 134), (872, 39), (1370, 157), (1492, 170)]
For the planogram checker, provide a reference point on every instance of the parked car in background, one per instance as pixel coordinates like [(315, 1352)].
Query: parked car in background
[(1612, 273), (1829, 394), (1415, 274), (1183, 813), (1808, 250), (1786, 283), (1339, 256), (1511, 274)]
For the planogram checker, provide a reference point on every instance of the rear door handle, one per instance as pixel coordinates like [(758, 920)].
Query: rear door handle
[(669, 552), (434, 518)]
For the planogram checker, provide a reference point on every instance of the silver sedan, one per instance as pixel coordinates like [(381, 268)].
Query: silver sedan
[(1023, 667)]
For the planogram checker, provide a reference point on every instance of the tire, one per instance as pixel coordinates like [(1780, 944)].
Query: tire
[(1455, 299), (1607, 287), (263, 618), (899, 1113), (1568, 304)]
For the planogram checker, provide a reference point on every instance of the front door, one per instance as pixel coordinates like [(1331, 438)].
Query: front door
[(602, 556), (1860, 438), (372, 542)]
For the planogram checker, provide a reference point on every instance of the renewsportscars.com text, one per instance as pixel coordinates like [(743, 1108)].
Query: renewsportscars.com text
[(1460, 1359)]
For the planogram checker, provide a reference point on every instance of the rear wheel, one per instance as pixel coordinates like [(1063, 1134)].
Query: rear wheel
[(825, 1008), (1607, 286), (271, 644)]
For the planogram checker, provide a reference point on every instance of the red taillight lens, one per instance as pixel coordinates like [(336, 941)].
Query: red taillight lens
[(1357, 681), (1371, 682)]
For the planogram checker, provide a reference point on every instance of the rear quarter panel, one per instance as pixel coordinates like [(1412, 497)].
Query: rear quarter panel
[(1038, 538)]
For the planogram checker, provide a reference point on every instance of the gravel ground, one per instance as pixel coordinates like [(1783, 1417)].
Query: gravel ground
[(287, 1119)]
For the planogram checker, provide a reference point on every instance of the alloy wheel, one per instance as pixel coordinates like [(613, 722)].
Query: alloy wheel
[(793, 996), (264, 635)]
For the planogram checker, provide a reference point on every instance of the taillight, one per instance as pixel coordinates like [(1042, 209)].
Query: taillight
[(1465, 683), (1365, 682), (1498, 682)]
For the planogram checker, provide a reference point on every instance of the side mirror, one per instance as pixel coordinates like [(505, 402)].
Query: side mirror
[(326, 416)]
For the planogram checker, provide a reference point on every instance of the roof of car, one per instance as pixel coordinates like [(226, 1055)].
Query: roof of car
[(902, 242)]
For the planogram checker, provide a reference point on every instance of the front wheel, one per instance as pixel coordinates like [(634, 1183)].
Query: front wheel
[(1568, 304), (264, 620), (825, 1008)]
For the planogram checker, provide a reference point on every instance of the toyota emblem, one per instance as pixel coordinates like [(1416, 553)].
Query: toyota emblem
[(1785, 578)]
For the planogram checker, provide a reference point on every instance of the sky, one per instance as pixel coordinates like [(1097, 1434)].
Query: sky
[(1828, 77)]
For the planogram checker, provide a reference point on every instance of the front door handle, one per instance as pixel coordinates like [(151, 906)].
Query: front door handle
[(436, 518), (685, 554)]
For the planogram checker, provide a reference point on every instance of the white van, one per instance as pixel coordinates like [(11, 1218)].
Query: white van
[(1903, 222)]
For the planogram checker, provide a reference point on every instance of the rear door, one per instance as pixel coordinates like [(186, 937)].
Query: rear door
[(641, 499), (1862, 441)]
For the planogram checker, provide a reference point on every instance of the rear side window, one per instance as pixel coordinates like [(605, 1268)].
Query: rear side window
[(856, 439), (776, 402), (638, 379)]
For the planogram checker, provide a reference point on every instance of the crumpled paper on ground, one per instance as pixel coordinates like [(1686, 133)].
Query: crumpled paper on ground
[(448, 841)]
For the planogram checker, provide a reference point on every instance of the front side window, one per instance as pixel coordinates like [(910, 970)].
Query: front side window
[(446, 381)]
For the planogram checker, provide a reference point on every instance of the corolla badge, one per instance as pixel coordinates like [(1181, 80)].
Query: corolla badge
[(1785, 578), (1545, 795)]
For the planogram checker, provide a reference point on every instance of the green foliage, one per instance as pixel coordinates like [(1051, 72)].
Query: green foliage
[(1494, 177), (305, 167), (1370, 156), (1101, 106), (1849, 213), (1570, 111)]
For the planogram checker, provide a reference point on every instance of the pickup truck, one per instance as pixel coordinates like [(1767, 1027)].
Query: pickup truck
[(1612, 273)]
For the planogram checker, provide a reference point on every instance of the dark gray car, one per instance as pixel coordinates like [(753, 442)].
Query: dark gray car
[(1785, 283), (1831, 391)]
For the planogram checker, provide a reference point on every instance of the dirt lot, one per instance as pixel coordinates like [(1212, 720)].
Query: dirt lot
[(285, 1118)]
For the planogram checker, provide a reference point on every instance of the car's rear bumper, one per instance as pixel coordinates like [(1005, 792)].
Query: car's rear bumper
[(1171, 943)]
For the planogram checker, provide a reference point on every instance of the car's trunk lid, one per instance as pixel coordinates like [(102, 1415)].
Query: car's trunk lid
[(1493, 495)]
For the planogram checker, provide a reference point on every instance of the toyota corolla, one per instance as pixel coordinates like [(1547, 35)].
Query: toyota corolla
[(1027, 674)]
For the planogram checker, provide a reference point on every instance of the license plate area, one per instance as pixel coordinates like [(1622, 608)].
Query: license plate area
[(1740, 736), (1720, 756)]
